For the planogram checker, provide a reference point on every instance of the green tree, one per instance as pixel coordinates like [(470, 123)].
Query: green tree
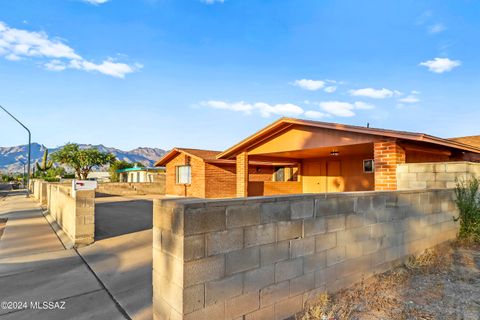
[(118, 165), (82, 160)]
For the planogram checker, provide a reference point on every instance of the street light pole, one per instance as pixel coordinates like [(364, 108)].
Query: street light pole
[(29, 146)]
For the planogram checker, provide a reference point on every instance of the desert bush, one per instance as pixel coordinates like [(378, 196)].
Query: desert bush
[(468, 202)]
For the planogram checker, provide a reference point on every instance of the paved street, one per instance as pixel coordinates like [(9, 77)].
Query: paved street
[(110, 279)]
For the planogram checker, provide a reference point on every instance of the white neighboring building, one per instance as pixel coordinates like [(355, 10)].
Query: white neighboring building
[(141, 174)]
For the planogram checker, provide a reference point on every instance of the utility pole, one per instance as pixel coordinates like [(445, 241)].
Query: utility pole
[(29, 146)]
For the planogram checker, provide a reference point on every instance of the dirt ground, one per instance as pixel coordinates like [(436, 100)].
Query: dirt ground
[(442, 283)]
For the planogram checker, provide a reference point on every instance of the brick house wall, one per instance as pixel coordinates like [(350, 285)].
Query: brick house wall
[(210, 180), (260, 173), (242, 174), (220, 181), (196, 188)]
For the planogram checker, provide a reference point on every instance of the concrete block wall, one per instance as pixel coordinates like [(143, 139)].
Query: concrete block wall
[(132, 188), (74, 214), (266, 257), (38, 189), (435, 175)]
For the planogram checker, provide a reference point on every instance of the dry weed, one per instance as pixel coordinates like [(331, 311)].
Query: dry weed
[(376, 297)]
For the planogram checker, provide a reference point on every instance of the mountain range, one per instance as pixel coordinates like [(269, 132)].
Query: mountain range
[(12, 158)]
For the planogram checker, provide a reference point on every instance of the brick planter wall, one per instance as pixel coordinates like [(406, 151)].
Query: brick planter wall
[(264, 258)]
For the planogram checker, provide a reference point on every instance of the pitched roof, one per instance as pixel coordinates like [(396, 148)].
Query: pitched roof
[(470, 140), (286, 122), (195, 153), (210, 157)]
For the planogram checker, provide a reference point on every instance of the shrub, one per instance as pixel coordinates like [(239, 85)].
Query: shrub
[(468, 203)]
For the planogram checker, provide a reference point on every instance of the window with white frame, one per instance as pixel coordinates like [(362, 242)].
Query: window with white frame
[(368, 166), (183, 174)]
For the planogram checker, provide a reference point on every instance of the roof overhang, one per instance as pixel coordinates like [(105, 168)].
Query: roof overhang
[(285, 123), (172, 154), (167, 157)]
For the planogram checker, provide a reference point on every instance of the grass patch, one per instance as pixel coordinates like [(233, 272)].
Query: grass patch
[(468, 203)]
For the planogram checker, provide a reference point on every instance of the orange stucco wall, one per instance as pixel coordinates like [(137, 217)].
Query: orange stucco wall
[(315, 175)]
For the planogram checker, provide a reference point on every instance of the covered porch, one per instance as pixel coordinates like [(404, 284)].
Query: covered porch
[(314, 170), (330, 157)]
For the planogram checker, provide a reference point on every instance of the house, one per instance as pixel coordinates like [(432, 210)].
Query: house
[(470, 140), (140, 174), (302, 156), (198, 173)]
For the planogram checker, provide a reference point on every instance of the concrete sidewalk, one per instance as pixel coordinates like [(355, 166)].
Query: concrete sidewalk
[(35, 267), (124, 265)]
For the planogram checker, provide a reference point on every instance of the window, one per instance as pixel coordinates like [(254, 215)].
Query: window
[(368, 166), (285, 174), (183, 174), (279, 174)]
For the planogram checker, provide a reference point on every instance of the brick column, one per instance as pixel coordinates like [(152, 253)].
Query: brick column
[(387, 154), (242, 175)]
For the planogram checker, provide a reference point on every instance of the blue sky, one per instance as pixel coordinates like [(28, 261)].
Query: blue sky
[(206, 74)]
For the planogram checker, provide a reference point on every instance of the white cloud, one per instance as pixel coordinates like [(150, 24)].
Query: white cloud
[(308, 84), (315, 114), (12, 57), (95, 2), (16, 44), (212, 1), (108, 67), (363, 105), (441, 65), (236, 106), (287, 109), (424, 17), (409, 99), (264, 109), (338, 108), (436, 28), (327, 108), (330, 89), (55, 65), (374, 93)]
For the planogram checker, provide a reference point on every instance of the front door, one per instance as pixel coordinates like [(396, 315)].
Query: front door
[(335, 182), (313, 177)]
